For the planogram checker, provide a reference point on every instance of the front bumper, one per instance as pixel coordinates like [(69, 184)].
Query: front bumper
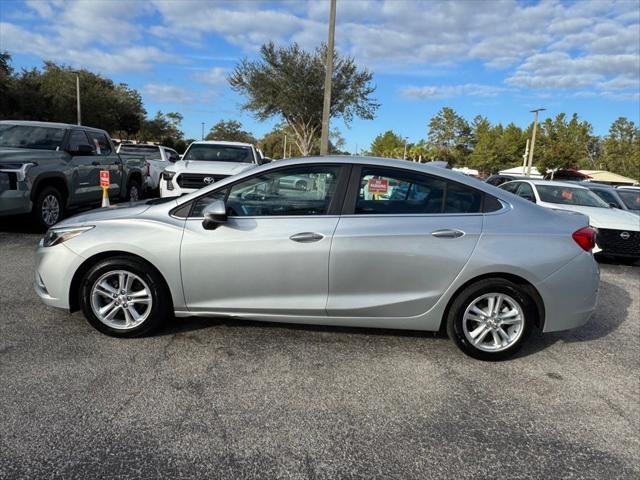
[(570, 294), (176, 191), (55, 267), (15, 202)]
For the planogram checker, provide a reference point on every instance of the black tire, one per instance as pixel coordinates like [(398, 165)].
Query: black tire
[(43, 213), (161, 306), (464, 300), (134, 191)]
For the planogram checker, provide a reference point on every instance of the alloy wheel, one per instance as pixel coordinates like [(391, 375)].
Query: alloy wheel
[(493, 322), (50, 209), (121, 299)]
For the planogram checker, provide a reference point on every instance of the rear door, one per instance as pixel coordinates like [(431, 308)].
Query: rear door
[(85, 172), (106, 159), (401, 241)]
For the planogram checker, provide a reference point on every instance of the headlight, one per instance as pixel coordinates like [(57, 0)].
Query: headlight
[(168, 175), (56, 236)]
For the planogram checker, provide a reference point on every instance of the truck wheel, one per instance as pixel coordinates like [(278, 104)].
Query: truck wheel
[(133, 191), (48, 208)]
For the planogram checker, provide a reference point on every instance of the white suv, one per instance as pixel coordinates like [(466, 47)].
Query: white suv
[(207, 162)]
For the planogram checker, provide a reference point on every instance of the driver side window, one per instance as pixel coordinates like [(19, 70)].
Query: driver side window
[(306, 190)]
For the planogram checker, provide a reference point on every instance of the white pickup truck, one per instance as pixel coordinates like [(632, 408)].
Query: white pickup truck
[(157, 158), (207, 162)]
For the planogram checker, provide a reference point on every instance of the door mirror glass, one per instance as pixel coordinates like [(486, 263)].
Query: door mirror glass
[(214, 214)]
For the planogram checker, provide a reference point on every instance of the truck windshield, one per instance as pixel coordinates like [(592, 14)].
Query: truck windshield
[(149, 152), (219, 153), (570, 196), (27, 136)]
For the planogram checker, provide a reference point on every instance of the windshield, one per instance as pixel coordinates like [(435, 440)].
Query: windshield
[(27, 136), (631, 198), (570, 196), (219, 153), (149, 152)]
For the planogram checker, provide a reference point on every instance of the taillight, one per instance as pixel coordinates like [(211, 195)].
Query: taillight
[(585, 238)]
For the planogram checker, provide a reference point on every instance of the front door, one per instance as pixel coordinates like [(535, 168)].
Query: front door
[(106, 159), (85, 171), (272, 254), (403, 240)]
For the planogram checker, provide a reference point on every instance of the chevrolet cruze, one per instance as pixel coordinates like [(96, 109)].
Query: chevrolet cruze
[(346, 241)]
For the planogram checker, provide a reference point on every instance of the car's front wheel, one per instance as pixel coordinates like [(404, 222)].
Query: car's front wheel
[(491, 319), (48, 208), (124, 297)]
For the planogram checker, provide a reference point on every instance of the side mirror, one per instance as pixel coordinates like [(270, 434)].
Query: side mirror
[(214, 214), (81, 150), (614, 205)]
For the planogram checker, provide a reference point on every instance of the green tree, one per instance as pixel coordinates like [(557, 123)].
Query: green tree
[(230, 131), (510, 148), (622, 148), (562, 143), (450, 134), (289, 83), (385, 144), (484, 139), (163, 128)]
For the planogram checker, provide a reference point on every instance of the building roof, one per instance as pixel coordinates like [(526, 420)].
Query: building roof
[(610, 177)]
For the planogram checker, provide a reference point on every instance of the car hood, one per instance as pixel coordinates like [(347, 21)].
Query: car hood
[(217, 168), (114, 212), (610, 218), (14, 158)]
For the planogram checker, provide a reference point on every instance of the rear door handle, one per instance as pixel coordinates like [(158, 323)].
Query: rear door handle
[(447, 233), (95, 163), (306, 237)]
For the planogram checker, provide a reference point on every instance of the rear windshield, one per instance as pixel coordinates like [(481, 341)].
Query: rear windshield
[(149, 152), (27, 136), (219, 153), (570, 196), (631, 198)]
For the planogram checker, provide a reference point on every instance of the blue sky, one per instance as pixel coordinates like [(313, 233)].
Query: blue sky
[(495, 58)]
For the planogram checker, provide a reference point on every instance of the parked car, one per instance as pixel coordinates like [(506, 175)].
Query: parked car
[(618, 231), (497, 180), (207, 162), (461, 255), (47, 168), (616, 198), (157, 158)]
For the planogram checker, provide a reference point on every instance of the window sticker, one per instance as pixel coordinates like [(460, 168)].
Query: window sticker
[(378, 185)]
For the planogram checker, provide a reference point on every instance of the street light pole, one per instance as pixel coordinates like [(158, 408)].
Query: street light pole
[(324, 137), (202, 130), (79, 114), (533, 138)]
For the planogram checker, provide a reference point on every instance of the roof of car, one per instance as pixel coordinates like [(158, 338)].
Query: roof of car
[(549, 182), (222, 142), (48, 124)]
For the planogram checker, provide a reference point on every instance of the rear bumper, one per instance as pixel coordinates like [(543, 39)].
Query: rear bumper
[(55, 267), (570, 294)]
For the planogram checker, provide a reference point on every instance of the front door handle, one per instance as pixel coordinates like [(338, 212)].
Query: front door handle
[(447, 233), (306, 237), (95, 163)]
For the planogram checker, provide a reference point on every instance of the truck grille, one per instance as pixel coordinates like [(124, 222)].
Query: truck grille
[(612, 241), (197, 180)]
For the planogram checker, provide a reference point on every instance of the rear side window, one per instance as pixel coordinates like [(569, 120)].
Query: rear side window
[(388, 191), (510, 187), (77, 138), (99, 143)]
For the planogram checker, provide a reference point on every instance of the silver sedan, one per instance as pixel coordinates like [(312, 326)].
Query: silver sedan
[(359, 242)]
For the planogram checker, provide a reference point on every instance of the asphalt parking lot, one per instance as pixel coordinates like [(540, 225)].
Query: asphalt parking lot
[(231, 399)]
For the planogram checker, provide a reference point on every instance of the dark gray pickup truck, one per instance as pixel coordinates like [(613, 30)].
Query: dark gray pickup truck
[(47, 168)]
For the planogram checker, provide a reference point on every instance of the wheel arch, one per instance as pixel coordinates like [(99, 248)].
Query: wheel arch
[(531, 290), (58, 181), (74, 290)]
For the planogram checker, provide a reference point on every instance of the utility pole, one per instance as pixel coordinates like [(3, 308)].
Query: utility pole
[(202, 130), (79, 113), (533, 138), (525, 156), (324, 137), (404, 155), (284, 150)]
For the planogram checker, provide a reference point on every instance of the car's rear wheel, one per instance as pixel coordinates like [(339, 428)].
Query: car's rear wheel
[(491, 319), (124, 297), (133, 191), (48, 208)]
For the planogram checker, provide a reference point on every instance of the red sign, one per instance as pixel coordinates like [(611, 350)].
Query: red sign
[(378, 185), (104, 178)]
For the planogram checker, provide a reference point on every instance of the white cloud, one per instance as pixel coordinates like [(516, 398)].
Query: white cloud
[(447, 91), (164, 93), (214, 77)]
